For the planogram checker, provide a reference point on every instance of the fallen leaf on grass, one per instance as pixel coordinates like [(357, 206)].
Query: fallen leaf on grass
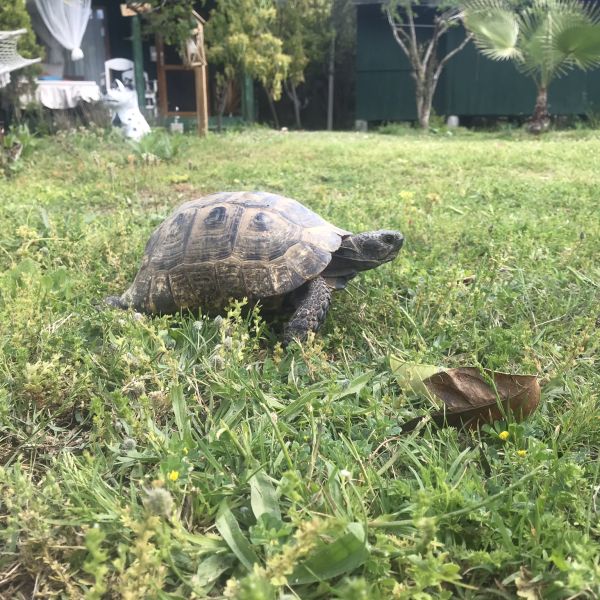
[(411, 376), (470, 397)]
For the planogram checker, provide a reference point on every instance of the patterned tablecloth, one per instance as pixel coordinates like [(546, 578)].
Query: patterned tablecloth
[(66, 94)]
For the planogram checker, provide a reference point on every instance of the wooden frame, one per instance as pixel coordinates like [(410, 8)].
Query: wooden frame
[(201, 112)]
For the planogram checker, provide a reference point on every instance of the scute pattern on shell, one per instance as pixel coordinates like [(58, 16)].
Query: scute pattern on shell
[(231, 245)]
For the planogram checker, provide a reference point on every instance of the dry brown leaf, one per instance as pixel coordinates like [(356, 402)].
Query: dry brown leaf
[(472, 397)]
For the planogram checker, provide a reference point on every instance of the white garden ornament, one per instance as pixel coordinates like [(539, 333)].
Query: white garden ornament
[(123, 103)]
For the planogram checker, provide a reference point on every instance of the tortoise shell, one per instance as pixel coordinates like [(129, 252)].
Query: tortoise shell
[(231, 245)]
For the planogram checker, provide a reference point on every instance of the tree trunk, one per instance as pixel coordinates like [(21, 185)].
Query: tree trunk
[(292, 94), (426, 81), (220, 110), (540, 120), (424, 118), (222, 89), (423, 110), (296, 102), (424, 96), (273, 109), (331, 80), (426, 64)]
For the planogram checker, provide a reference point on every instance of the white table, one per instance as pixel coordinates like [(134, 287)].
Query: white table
[(66, 94)]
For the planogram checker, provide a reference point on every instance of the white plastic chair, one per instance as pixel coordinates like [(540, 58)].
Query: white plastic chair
[(124, 67), (150, 96), (126, 70), (150, 91)]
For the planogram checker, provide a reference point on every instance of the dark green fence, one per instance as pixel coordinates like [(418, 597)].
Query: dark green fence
[(471, 84)]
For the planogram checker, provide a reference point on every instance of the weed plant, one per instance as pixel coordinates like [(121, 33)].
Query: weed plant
[(192, 457)]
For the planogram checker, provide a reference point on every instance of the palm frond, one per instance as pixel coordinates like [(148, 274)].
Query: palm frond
[(495, 30), (587, 10), (536, 28), (580, 45), (545, 38)]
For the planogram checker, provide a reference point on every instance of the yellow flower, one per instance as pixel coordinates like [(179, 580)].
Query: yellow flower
[(186, 451), (173, 475), (522, 453), (504, 435)]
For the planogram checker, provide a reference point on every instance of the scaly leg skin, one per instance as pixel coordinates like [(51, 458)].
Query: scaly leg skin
[(115, 302), (311, 311)]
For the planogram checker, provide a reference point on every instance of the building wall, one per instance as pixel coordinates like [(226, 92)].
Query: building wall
[(471, 85)]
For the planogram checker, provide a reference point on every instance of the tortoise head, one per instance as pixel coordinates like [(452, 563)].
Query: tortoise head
[(370, 249)]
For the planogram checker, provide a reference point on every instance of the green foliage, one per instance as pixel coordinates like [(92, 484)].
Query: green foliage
[(172, 19), (545, 38), (189, 456), (304, 27), (15, 146), (157, 145), (240, 40), (14, 15)]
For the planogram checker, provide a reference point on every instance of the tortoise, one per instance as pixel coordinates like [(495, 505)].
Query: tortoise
[(254, 245)]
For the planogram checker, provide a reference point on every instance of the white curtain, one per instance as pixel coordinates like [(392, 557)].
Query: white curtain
[(66, 20)]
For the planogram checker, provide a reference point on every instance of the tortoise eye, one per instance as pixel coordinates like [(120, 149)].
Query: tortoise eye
[(388, 239)]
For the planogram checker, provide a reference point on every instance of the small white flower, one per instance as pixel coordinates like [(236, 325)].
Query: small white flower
[(345, 474)]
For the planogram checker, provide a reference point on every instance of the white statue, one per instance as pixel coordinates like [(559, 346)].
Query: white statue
[(123, 103)]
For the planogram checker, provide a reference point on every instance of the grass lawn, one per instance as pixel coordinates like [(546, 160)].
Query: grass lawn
[(180, 457)]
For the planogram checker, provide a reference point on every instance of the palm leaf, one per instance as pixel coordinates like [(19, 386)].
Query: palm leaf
[(547, 48), (495, 30), (587, 11), (539, 56), (580, 45)]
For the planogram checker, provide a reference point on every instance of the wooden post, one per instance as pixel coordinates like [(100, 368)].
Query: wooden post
[(201, 99), (138, 59)]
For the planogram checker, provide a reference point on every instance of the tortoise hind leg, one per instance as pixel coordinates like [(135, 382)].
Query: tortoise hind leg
[(311, 310), (115, 302)]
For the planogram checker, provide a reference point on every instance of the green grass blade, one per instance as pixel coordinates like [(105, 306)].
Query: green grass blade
[(181, 414), (229, 528), (263, 496), (354, 387), (341, 556)]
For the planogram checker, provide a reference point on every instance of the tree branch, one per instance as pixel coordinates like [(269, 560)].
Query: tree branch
[(413, 33), (452, 53), (397, 32), (437, 33)]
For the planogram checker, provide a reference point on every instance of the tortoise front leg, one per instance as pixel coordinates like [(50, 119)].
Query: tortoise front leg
[(311, 311)]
